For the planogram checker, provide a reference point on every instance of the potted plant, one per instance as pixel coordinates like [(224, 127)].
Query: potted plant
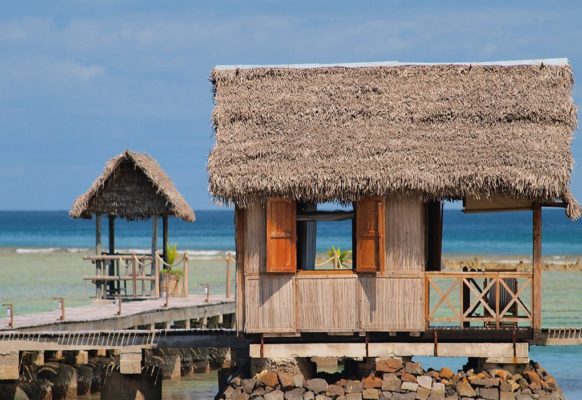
[(171, 278)]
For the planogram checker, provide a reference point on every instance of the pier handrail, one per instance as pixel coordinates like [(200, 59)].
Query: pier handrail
[(109, 257)]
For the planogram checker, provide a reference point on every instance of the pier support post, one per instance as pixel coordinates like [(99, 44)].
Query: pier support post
[(82, 357), (130, 361), (9, 363), (39, 359), (146, 385)]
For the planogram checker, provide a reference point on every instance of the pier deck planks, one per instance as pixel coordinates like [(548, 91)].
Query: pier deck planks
[(104, 315)]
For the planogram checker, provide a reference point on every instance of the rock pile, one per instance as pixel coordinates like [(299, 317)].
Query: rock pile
[(396, 380)]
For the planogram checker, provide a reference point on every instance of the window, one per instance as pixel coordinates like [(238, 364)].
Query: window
[(292, 230), (329, 230)]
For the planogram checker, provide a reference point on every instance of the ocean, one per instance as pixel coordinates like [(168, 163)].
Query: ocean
[(41, 251), (492, 234)]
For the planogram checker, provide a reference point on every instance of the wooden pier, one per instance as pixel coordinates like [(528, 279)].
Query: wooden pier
[(183, 312)]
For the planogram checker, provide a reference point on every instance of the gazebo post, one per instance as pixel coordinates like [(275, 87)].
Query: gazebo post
[(111, 284), (97, 233), (165, 238), (154, 235), (99, 266), (154, 245)]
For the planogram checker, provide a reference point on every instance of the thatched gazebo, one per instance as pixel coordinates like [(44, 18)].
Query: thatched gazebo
[(132, 186)]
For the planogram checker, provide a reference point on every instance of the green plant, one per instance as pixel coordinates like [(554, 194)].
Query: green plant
[(340, 258), (172, 273), (171, 252)]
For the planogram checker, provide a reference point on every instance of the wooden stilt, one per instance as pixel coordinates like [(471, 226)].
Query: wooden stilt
[(537, 269), (154, 250), (165, 237), (154, 235), (111, 284), (99, 265), (97, 233)]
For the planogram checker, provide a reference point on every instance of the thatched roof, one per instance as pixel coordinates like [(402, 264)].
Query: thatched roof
[(132, 186), (336, 133)]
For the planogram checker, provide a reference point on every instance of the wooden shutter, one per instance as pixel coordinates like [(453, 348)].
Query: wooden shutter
[(370, 234), (281, 236)]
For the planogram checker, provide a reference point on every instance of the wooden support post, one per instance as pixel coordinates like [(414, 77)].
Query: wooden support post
[(165, 238), (185, 282), (130, 361), (10, 310), (97, 233), (156, 288), (466, 301), (537, 269), (111, 284), (98, 263), (154, 235), (118, 305), (228, 256), (61, 301), (240, 228), (133, 275), (206, 287), (156, 262), (9, 363), (82, 358)]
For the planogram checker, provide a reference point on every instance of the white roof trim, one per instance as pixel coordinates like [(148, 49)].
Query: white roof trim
[(545, 61)]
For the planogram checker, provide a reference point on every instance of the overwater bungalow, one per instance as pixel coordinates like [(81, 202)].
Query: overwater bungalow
[(391, 142), (134, 187)]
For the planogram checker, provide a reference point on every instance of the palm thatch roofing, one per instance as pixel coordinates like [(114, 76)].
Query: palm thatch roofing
[(340, 132), (132, 186)]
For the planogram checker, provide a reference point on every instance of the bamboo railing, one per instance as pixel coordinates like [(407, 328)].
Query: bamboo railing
[(132, 272), (128, 271), (493, 299)]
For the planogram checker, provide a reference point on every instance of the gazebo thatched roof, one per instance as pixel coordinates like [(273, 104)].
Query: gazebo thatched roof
[(132, 186), (336, 133)]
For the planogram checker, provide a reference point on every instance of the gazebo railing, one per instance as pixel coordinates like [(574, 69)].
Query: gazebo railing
[(129, 278), (135, 276)]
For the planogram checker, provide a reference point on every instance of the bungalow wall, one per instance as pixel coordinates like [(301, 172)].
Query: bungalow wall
[(391, 298)]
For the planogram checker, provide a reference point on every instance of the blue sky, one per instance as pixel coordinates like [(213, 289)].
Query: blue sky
[(81, 81)]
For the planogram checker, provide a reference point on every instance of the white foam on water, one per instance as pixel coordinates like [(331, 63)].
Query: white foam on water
[(36, 251), (77, 249)]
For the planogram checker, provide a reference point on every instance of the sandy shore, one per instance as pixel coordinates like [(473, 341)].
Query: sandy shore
[(457, 263)]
